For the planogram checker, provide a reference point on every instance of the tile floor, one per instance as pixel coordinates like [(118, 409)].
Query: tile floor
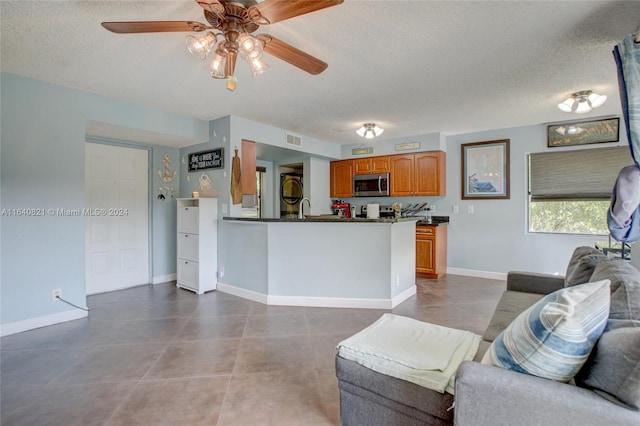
[(157, 355)]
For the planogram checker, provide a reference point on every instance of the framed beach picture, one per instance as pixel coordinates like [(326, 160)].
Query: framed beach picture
[(485, 170), (583, 132)]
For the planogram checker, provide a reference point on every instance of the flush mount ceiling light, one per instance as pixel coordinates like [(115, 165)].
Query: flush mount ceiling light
[(581, 102), (369, 131)]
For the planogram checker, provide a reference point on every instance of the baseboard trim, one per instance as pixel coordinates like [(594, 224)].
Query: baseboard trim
[(43, 321), (241, 292), (317, 302), (329, 302), (164, 278), (475, 273), (403, 296)]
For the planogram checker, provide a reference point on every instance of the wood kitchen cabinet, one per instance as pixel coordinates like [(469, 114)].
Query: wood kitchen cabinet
[(420, 174), (380, 164), (341, 179), (431, 251)]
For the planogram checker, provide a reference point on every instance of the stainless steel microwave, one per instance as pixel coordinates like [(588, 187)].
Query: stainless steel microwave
[(374, 185)]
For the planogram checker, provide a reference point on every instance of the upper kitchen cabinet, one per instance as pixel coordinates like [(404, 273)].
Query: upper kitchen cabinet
[(341, 179), (419, 174), (380, 164)]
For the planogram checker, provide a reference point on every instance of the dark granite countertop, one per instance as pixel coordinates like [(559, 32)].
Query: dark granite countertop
[(436, 220)]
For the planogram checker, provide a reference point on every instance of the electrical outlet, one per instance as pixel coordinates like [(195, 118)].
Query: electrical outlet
[(432, 208), (221, 272), (55, 294), (456, 209), (470, 209)]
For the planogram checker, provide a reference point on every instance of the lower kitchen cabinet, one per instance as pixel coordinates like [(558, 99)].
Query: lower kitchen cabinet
[(431, 251)]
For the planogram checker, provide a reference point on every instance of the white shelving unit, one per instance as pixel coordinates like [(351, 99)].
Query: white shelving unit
[(197, 244)]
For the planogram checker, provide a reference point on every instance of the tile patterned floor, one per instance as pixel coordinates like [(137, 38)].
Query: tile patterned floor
[(157, 355)]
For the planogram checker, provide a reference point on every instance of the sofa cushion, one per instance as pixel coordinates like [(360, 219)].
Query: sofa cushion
[(553, 338), (613, 369), (511, 304), (581, 265), (625, 292)]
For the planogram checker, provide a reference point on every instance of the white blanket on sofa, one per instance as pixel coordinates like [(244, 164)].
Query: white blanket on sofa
[(415, 351)]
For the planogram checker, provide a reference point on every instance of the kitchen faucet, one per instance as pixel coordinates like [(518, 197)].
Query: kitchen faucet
[(300, 216)]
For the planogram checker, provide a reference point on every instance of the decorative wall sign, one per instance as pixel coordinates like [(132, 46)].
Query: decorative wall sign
[(205, 181), (204, 160), (583, 132), (485, 170), (407, 146), (362, 151)]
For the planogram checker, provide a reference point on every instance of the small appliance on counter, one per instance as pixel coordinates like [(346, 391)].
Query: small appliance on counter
[(341, 208), (373, 211), (387, 212)]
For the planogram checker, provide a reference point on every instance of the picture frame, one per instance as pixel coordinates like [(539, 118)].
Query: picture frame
[(583, 132), (485, 170)]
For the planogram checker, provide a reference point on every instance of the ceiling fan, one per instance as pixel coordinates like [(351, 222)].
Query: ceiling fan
[(230, 27)]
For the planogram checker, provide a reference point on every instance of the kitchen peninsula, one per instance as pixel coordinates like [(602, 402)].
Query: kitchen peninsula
[(320, 261)]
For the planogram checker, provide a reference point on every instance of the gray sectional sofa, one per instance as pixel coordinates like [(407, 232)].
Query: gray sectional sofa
[(607, 390)]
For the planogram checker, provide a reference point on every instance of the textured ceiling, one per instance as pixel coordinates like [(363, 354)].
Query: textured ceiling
[(413, 67)]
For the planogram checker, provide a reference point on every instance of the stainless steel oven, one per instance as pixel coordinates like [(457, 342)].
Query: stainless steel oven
[(373, 185)]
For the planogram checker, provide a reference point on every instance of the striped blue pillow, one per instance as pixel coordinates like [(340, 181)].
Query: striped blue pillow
[(553, 338)]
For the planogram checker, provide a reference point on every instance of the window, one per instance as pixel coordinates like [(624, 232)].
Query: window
[(570, 191)]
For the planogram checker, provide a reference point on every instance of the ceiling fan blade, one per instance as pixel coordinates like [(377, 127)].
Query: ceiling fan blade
[(272, 11), (154, 26), (292, 55)]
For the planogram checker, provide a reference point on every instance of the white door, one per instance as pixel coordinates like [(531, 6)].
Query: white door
[(116, 217)]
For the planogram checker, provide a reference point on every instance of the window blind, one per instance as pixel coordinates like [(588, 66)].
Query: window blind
[(587, 174)]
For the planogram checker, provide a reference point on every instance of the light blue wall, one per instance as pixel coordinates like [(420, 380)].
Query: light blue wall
[(42, 166), (494, 238)]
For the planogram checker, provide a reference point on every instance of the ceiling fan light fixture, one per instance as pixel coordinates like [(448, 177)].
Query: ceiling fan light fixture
[(369, 131), (200, 46), (250, 47), (258, 66), (582, 102), (218, 63)]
